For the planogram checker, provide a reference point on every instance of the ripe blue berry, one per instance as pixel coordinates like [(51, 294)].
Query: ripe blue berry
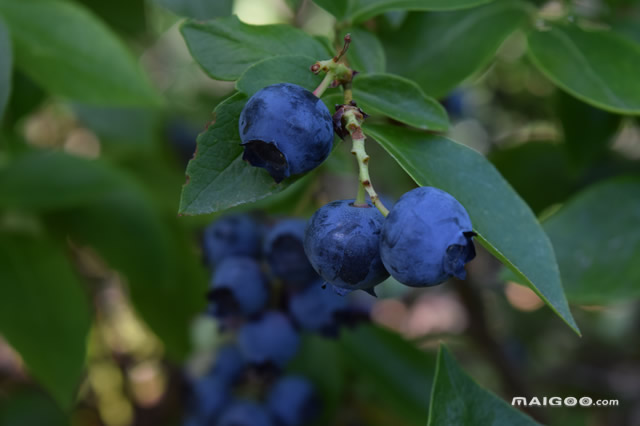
[(270, 340), (209, 397), (342, 243), (238, 287), (426, 238), (284, 251), (229, 364), (293, 401), (245, 413), (315, 307), (237, 235), (286, 130)]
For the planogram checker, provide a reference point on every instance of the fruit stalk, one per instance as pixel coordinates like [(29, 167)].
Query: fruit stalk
[(324, 84), (353, 119)]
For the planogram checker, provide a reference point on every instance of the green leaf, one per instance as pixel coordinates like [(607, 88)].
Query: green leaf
[(126, 16), (337, 8), (164, 269), (133, 128), (218, 178), (226, 47), (44, 308), (450, 49), (456, 399), (400, 99), (314, 355), (587, 131), (362, 10), (100, 206), (504, 223), (280, 69), (598, 67), (520, 166), (198, 9), (46, 180), (365, 53), (394, 368), (28, 406), (6, 67), (80, 59), (596, 237)]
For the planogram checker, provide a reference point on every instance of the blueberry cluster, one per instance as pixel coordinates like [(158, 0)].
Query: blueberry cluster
[(425, 239), (264, 293)]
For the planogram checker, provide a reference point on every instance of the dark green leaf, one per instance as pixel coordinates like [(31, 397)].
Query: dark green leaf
[(332, 98), (365, 53), (47, 180), (25, 97), (280, 69), (43, 308), (394, 368), (127, 16), (30, 408), (337, 8), (521, 166), (449, 45), (84, 61), (218, 178), (6, 67), (198, 9), (226, 47), (136, 128), (361, 10), (400, 99), (596, 237), (457, 399), (159, 265), (504, 223), (99, 206), (598, 67), (587, 131), (395, 18), (313, 357)]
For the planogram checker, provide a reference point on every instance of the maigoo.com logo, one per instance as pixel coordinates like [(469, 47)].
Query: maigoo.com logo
[(556, 401)]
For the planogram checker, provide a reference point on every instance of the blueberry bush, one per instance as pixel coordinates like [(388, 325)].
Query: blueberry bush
[(319, 212)]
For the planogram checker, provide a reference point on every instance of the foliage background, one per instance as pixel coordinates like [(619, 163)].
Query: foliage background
[(101, 282)]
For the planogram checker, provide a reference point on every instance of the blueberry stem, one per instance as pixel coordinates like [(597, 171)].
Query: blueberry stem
[(353, 120), (352, 117), (324, 84), (361, 200), (348, 93)]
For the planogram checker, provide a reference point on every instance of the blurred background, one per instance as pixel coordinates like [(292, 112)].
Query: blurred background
[(96, 216)]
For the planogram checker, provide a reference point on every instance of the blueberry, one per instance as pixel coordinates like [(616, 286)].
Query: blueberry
[(315, 307), (229, 364), (426, 238), (286, 130), (209, 397), (238, 287), (284, 251), (237, 235), (269, 341), (245, 413), (293, 401), (342, 243)]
